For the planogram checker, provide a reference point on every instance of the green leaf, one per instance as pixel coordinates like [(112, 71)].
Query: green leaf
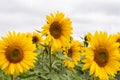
[(39, 51), (38, 31)]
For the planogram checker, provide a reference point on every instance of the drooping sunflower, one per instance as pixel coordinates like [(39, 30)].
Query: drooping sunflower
[(87, 37), (73, 52), (102, 56), (17, 53), (57, 30)]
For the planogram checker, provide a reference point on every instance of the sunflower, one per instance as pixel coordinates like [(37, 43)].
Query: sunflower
[(73, 52), (36, 37), (17, 53), (102, 56), (57, 30)]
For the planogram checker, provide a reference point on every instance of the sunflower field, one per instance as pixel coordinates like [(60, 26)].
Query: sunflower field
[(51, 53)]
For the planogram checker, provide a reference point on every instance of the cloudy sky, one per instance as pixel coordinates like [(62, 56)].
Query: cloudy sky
[(86, 15)]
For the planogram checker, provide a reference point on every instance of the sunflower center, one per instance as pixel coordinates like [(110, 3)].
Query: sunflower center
[(69, 53), (118, 40), (101, 57), (55, 30), (14, 55), (35, 39)]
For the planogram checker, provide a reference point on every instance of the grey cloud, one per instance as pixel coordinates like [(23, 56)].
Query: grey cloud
[(87, 15), (12, 7), (106, 7)]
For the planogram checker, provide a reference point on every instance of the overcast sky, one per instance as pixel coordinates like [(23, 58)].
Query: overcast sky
[(86, 15)]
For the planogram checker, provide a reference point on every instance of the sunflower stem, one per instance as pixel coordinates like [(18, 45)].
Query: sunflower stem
[(12, 78), (61, 66), (62, 63), (43, 59), (50, 57)]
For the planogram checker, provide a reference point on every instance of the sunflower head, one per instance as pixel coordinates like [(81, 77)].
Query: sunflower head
[(36, 37), (73, 52), (17, 53), (58, 29), (102, 56)]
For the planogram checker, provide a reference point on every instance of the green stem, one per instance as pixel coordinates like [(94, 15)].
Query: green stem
[(43, 58), (50, 57), (62, 64), (61, 67), (12, 78)]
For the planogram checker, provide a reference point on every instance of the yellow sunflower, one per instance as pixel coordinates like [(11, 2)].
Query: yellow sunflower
[(102, 57), (73, 52), (36, 37), (57, 30), (17, 53)]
